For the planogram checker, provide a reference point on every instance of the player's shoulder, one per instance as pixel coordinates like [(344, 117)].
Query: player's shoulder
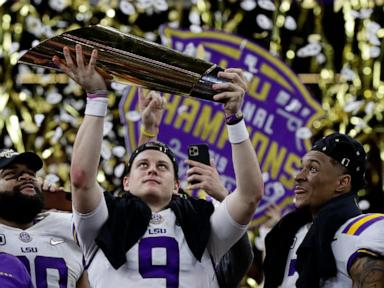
[(54, 216), (54, 222), (365, 225)]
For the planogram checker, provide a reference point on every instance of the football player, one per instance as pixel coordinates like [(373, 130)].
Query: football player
[(152, 237), (327, 241), (43, 242)]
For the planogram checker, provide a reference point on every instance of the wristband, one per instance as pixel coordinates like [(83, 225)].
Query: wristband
[(234, 118), (146, 133), (97, 94), (237, 133), (96, 107)]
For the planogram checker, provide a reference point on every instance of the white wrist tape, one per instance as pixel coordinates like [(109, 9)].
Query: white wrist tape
[(96, 107), (237, 133)]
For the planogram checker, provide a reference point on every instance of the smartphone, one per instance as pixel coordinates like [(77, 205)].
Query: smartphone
[(199, 153)]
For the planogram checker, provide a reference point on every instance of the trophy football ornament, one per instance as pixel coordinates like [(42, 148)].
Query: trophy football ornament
[(132, 60)]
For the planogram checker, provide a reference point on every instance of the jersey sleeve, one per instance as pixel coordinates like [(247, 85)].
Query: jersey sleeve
[(369, 234), (87, 227), (225, 232)]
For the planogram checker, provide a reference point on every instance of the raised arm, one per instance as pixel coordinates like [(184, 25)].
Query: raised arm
[(86, 151), (151, 106), (241, 203)]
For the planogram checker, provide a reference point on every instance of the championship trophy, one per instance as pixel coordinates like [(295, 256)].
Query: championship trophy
[(132, 60)]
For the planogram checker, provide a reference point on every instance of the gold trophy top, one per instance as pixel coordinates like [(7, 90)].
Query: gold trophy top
[(132, 60)]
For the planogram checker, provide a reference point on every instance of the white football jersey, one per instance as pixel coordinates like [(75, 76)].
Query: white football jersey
[(161, 258), (47, 249), (359, 235)]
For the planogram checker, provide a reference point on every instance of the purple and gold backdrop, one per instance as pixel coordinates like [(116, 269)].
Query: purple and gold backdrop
[(335, 47)]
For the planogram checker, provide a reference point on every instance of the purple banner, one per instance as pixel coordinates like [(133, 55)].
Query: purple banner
[(278, 110)]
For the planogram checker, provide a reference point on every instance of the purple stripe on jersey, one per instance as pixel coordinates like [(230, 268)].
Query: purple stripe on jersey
[(292, 267), (353, 222), (357, 254), (85, 264), (367, 224), (352, 259)]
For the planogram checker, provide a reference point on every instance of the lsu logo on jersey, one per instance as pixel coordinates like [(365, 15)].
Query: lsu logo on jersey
[(358, 225)]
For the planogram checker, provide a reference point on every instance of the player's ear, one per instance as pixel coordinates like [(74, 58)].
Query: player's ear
[(344, 183), (126, 183), (176, 186)]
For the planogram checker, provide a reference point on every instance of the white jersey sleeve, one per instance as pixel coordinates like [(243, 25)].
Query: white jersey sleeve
[(87, 227), (47, 249), (361, 235), (225, 232)]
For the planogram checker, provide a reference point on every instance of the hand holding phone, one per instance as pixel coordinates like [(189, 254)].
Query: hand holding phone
[(208, 178), (199, 153)]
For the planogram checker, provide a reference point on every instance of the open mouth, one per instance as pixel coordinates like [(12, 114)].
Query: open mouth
[(27, 187), (299, 190)]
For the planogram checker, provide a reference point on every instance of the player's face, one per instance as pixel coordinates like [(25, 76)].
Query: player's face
[(316, 182), (20, 194), (152, 178)]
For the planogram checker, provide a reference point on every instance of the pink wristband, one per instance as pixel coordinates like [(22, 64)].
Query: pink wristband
[(97, 94)]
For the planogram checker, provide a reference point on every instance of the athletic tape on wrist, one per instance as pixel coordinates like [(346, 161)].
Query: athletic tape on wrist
[(96, 107), (237, 133)]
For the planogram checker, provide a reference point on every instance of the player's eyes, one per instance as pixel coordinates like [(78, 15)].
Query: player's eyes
[(142, 165), (313, 169), (11, 175), (162, 166)]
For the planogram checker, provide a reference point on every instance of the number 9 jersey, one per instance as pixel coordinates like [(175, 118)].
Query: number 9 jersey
[(47, 249), (162, 257)]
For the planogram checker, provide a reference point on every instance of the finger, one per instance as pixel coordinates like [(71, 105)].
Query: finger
[(141, 97), (153, 105), (163, 103), (92, 61), (198, 170), (234, 70), (144, 99), (230, 97), (237, 77), (52, 188), (195, 186), (196, 164), (195, 178), (213, 164), (59, 63), (79, 56), (45, 186), (68, 58), (154, 94)]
